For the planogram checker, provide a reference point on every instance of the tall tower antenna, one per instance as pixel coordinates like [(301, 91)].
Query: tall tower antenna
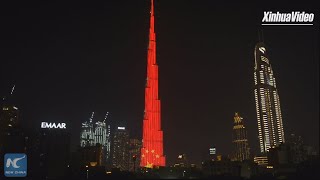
[(105, 117), (91, 118), (12, 89)]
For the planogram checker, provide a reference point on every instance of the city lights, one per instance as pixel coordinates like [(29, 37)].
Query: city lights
[(159, 90)]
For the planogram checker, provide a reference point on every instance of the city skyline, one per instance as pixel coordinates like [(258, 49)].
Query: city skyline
[(64, 73)]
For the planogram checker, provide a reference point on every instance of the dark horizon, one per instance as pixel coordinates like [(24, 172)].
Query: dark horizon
[(68, 60)]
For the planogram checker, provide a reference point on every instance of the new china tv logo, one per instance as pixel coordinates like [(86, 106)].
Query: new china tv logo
[(15, 165)]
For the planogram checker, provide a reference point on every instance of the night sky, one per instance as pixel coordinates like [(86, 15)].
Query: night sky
[(68, 60)]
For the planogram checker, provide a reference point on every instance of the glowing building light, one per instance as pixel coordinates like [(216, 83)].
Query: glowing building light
[(262, 49), (212, 151), (47, 125), (240, 140), (87, 133), (152, 142), (270, 128)]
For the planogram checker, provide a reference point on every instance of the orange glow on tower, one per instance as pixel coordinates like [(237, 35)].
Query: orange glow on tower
[(152, 142)]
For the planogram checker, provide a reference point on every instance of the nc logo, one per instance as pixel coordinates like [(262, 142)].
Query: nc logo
[(15, 165)]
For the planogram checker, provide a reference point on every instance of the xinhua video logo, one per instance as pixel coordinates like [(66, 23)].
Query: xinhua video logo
[(293, 18), (15, 165)]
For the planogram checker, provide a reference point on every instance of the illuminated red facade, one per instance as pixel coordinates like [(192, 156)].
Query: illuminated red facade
[(152, 145)]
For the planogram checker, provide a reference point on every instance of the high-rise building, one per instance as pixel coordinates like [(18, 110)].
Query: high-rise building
[(107, 148), (182, 161), (240, 140), (9, 113), (11, 135), (9, 117), (291, 152), (100, 133), (87, 133), (261, 160), (134, 154), (91, 155), (296, 147), (270, 126), (212, 155), (54, 144), (152, 141), (97, 133), (102, 136), (120, 149), (9, 120)]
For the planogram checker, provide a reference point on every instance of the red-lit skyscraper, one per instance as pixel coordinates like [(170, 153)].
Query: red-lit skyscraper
[(152, 141)]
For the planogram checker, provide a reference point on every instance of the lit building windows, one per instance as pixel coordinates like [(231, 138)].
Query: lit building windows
[(98, 133), (264, 59), (270, 129)]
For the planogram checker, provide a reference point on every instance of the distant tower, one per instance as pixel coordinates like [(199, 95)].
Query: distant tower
[(93, 134), (87, 133), (11, 135), (100, 133), (240, 140), (102, 136), (182, 161), (120, 149), (9, 117), (9, 114), (134, 152), (152, 141), (270, 126), (108, 148), (9, 124), (297, 148)]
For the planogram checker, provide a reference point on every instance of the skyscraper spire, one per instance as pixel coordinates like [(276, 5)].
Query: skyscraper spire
[(152, 15), (152, 142)]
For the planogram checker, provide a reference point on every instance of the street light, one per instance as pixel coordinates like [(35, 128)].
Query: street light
[(87, 171), (134, 158)]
